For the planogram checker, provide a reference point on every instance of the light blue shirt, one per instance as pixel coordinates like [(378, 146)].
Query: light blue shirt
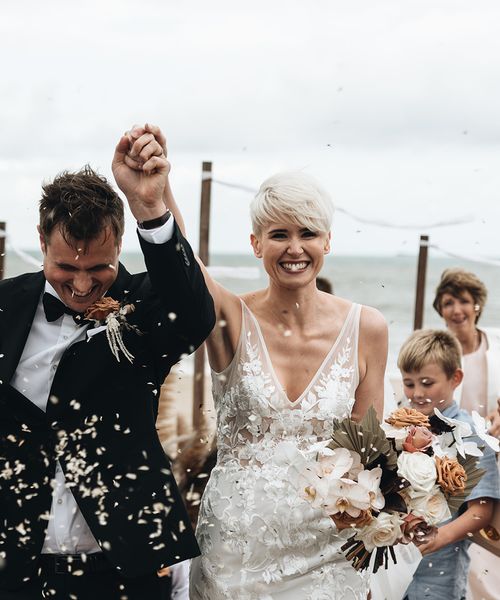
[(443, 574)]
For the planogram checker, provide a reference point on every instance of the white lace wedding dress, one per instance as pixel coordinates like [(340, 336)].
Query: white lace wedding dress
[(259, 539)]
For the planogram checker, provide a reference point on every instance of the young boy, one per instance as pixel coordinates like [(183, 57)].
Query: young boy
[(429, 362)]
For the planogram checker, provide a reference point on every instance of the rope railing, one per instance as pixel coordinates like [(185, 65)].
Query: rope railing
[(31, 260), (253, 273), (376, 222), (477, 259), (217, 271)]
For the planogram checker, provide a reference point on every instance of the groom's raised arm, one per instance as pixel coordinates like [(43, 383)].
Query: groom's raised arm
[(173, 270)]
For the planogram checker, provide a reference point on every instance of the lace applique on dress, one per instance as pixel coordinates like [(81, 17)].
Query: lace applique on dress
[(259, 539)]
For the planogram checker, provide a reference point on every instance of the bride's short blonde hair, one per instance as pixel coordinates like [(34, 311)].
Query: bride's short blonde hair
[(292, 197)]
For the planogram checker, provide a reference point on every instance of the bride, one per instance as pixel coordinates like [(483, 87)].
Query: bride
[(286, 361)]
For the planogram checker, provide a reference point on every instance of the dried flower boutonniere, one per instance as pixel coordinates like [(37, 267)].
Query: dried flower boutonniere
[(113, 315)]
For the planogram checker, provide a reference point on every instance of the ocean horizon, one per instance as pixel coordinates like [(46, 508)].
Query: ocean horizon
[(387, 283)]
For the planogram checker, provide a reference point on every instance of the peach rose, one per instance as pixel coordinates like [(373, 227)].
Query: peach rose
[(404, 417), (101, 309), (451, 476), (416, 529), (418, 439), (344, 520)]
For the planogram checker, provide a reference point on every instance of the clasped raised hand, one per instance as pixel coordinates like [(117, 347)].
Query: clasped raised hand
[(140, 168)]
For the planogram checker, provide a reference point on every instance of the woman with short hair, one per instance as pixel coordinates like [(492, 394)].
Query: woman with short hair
[(460, 299), (287, 360)]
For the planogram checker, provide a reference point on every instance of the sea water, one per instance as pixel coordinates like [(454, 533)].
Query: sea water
[(386, 282)]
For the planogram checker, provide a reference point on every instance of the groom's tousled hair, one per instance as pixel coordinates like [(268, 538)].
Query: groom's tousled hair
[(82, 204)]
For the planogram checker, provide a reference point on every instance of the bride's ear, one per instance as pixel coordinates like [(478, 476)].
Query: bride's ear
[(256, 245), (328, 241)]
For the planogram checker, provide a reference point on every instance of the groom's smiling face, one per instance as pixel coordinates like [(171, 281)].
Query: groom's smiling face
[(80, 272)]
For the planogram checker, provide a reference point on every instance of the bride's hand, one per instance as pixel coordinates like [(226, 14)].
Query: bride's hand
[(145, 142), (140, 168)]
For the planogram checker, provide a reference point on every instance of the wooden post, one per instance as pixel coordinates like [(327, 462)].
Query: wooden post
[(420, 292), (2, 249), (199, 356)]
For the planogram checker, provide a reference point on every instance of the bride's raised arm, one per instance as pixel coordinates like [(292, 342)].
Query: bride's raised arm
[(148, 141)]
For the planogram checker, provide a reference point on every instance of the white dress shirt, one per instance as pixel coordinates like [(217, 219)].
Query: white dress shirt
[(67, 530), (180, 580)]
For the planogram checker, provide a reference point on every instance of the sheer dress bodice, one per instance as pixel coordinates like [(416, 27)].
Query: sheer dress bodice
[(259, 539)]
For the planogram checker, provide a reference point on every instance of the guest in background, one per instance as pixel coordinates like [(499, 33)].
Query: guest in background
[(324, 285), (460, 300)]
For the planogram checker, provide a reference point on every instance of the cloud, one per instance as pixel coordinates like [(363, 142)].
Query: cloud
[(392, 105)]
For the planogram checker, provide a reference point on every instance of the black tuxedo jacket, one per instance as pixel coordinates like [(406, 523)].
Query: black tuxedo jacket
[(100, 421)]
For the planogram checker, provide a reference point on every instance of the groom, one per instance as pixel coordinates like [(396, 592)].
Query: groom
[(89, 508)]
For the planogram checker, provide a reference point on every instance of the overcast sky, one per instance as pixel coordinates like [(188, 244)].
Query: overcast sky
[(393, 105)]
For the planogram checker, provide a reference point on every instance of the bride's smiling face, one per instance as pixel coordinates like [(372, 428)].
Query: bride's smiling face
[(292, 255)]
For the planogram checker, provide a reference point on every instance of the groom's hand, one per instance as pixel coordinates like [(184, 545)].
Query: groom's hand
[(146, 137), (143, 142), (140, 169)]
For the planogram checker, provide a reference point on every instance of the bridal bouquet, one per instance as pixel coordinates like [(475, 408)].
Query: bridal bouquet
[(393, 483)]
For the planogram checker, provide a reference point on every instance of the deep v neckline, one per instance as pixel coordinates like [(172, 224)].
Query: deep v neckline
[(318, 370)]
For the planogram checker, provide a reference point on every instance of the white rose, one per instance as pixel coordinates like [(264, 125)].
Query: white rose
[(384, 530), (432, 507), (419, 469)]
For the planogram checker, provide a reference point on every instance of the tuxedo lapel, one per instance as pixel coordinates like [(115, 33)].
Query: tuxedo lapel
[(18, 311), (120, 286)]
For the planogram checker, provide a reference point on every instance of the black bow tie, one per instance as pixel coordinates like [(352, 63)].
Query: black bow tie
[(54, 309)]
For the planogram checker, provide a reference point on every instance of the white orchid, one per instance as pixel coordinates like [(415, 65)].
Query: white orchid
[(345, 495), (370, 480), (313, 488), (398, 434), (482, 432), (356, 466), (446, 445), (334, 464), (461, 430)]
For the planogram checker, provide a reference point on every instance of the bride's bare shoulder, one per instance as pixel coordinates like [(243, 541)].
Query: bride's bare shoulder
[(372, 321), (336, 304)]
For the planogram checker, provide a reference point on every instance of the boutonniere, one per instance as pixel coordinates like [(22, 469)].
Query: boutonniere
[(112, 314)]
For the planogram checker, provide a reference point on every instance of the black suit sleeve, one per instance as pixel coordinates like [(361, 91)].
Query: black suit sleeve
[(177, 280)]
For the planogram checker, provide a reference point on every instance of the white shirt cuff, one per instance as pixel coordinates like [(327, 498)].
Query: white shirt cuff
[(158, 235)]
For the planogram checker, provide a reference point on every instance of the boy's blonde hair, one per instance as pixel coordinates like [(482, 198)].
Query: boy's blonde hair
[(427, 346)]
